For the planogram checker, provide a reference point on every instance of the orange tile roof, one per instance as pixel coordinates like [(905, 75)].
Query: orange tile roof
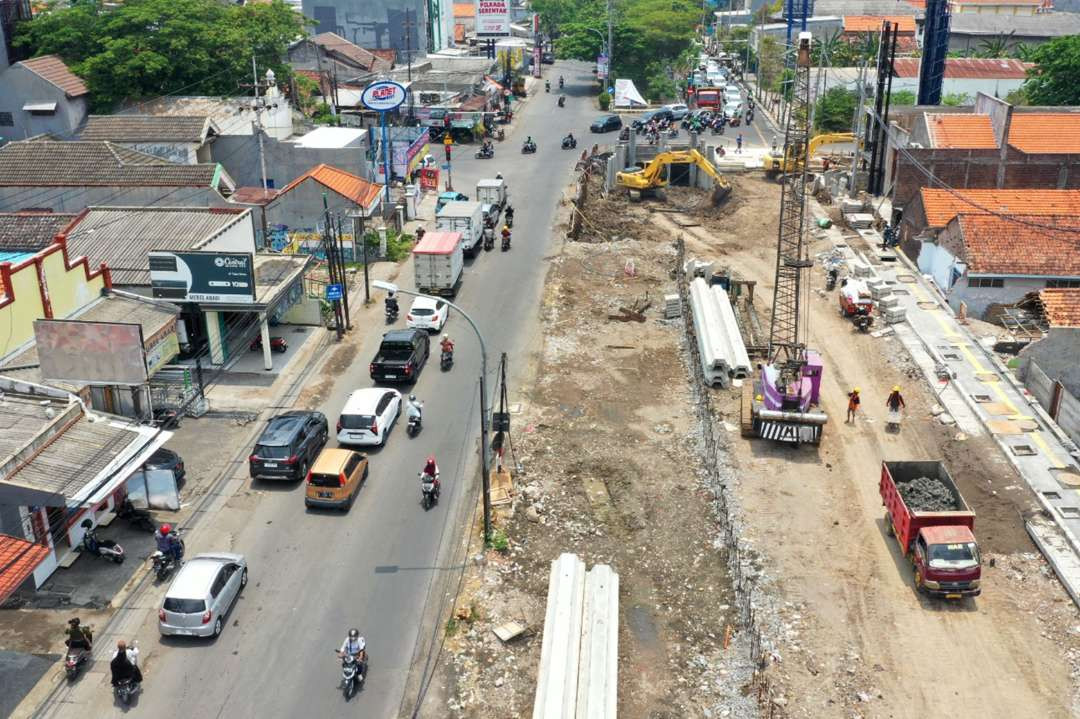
[(996, 245), (872, 23), (941, 206), (344, 183), (52, 69), (18, 560), (1056, 133), (1061, 306), (961, 132), (464, 10)]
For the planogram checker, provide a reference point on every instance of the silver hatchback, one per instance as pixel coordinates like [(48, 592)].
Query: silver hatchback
[(201, 595)]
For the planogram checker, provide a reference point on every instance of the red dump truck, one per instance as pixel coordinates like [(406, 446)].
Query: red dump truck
[(934, 525)]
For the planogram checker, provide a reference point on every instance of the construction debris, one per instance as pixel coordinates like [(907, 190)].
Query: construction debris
[(672, 307)]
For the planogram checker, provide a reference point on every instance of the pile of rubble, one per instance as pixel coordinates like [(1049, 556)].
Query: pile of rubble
[(927, 494)]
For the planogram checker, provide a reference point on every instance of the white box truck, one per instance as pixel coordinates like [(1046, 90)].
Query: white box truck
[(466, 218), (438, 265)]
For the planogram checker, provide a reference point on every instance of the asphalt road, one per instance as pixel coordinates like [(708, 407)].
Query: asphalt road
[(314, 574)]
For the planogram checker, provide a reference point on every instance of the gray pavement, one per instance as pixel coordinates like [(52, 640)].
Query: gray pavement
[(314, 574)]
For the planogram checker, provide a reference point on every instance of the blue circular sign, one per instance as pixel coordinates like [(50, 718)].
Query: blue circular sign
[(383, 95)]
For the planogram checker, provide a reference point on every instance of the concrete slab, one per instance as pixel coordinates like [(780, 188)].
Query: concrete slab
[(19, 672), (1003, 426), (996, 408), (1050, 541)]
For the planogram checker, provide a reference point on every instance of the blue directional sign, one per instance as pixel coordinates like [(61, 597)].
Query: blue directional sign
[(333, 292)]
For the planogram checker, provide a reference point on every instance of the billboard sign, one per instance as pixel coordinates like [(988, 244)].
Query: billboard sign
[(91, 352), (601, 67), (492, 18), (383, 96), (211, 277)]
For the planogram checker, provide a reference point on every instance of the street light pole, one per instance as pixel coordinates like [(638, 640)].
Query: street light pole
[(485, 479)]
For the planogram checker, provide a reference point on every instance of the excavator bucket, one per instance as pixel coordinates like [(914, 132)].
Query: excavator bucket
[(720, 194)]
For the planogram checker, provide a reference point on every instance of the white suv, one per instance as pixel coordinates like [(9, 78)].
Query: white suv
[(367, 416)]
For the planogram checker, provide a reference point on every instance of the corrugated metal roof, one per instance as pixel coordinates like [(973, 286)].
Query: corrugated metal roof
[(24, 418), (968, 67), (1041, 25), (147, 128), (153, 317), (52, 69), (122, 237), (74, 457), (48, 163), (30, 231)]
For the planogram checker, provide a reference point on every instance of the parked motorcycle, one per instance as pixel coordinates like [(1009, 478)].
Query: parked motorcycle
[(446, 360), (353, 673), (74, 660), (138, 518), (528, 148), (124, 690), (429, 490), (277, 344), (164, 564), (106, 548)]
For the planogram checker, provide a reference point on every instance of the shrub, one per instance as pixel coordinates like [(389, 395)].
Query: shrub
[(605, 100)]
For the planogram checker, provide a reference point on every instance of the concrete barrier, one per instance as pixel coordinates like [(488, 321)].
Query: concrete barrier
[(720, 344), (579, 657), (598, 668)]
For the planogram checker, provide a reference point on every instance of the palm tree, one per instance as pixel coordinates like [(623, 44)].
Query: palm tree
[(996, 46)]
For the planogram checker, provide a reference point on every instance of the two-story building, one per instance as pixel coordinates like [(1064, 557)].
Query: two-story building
[(41, 96)]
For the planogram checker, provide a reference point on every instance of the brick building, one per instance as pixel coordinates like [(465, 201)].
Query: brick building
[(996, 146)]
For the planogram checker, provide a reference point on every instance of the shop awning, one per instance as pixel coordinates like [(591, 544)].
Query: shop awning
[(18, 560)]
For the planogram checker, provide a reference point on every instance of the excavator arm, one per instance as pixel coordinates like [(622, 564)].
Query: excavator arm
[(651, 177), (772, 164)]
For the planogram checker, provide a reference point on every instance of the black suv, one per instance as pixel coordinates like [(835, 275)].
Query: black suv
[(288, 445), (607, 123)]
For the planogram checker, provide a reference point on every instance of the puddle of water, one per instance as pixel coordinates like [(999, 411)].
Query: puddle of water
[(643, 627)]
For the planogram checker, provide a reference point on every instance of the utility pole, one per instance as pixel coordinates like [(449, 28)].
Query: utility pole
[(610, 44), (358, 236), (328, 248), (409, 24), (259, 104), (855, 127)]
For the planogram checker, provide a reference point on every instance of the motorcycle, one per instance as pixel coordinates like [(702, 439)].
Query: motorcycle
[(164, 564), (505, 242), (429, 490), (673, 132), (414, 424), (277, 344), (509, 219), (166, 418), (547, 86), (106, 548), (560, 83), (353, 673), (489, 239), (569, 143), (528, 148), (484, 154), (562, 101), (73, 661), (391, 313), (138, 518), (446, 360), (124, 690), (863, 321), (831, 277)]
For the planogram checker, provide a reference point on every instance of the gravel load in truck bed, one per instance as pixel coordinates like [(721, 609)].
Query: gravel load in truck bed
[(926, 494)]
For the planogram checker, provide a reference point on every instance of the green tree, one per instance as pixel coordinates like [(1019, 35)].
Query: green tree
[(902, 97), (994, 47), (1053, 80), (1017, 97), (145, 48), (955, 99), (835, 110)]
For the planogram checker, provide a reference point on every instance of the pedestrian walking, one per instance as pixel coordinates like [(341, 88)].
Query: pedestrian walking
[(852, 406), (738, 144)]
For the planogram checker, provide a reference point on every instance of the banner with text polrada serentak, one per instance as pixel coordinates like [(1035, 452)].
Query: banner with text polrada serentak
[(492, 18)]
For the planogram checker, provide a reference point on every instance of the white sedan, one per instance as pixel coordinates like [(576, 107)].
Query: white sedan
[(427, 313), (367, 416), (678, 110)]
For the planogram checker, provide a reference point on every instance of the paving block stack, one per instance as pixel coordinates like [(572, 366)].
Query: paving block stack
[(672, 306)]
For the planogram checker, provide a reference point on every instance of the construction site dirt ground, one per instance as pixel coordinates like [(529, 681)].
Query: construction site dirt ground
[(609, 445)]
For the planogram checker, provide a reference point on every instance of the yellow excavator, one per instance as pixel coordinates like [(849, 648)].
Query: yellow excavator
[(651, 177), (774, 165)]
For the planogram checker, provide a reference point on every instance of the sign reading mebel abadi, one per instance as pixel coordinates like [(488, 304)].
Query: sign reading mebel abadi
[(210, 277), (492, 18)]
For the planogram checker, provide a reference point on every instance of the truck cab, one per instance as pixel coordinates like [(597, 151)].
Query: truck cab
[(946, 562)]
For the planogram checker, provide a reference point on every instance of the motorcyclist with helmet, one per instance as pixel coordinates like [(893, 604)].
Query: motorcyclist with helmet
[(168, 543), (430, 473)]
